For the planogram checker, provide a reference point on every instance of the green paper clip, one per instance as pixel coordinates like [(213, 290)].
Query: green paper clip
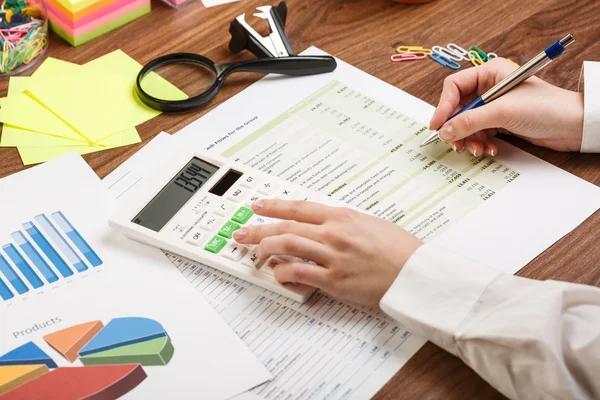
[(481, 53)]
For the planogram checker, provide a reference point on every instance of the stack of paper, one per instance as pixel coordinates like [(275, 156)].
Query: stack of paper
[(78, 21), (66, 107)]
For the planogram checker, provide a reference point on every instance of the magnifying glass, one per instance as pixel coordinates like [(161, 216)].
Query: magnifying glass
[(206, 77)]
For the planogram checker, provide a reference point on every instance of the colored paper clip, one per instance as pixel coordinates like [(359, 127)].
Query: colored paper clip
[(413, 49), (418, 55), (492, 56), (482, 54), (475, 58), (445, 61), (448, 53)]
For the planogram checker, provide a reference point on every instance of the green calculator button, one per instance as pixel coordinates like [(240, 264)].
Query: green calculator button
[(215, 244), (242, 215), (227, 229)]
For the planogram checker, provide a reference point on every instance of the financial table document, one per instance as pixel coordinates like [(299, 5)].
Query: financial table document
[(356, 139)]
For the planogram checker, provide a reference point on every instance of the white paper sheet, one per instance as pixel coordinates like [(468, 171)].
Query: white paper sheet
[(212, 3), (325, 348), (126, 279)]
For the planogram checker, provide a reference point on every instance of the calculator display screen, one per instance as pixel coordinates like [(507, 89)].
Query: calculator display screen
[(159, 211)]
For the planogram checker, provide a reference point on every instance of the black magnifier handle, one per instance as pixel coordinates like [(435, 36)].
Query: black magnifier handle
[(293, 65)]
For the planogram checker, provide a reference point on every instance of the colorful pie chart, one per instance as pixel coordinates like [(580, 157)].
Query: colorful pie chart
[(112, 356)]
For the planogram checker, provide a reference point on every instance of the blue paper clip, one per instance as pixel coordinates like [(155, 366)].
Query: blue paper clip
[(445, 61)]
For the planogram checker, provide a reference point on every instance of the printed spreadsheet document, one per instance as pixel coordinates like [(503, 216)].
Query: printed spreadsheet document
[(356, 139)]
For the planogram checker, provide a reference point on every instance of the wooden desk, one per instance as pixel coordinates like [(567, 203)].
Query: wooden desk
[(364, 33)]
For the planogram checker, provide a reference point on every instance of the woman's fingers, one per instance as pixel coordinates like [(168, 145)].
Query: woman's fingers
[(297, 246), (297, 210), (254, 234), (302, 273)]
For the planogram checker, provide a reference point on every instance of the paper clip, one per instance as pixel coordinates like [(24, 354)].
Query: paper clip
[(475, 58), (448, 53), (445, 61), (482, 54), (492, 56), (458, 50), (413, 49), (418, 55)]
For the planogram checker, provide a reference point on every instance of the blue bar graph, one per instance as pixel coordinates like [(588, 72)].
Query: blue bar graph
[(47, 249), (37, 260), (12, 276), (23, 266), (44, 223), (5, 292), (64, 224)]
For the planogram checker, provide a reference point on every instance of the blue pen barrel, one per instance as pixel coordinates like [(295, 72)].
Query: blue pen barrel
[(478, 102)]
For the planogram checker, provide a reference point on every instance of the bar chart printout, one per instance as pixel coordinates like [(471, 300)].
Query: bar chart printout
[(44, 251)]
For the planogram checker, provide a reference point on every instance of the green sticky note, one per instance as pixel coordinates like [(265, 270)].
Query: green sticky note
[(38, 154)]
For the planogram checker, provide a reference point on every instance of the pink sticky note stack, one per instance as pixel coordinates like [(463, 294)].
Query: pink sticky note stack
[(78, 21)]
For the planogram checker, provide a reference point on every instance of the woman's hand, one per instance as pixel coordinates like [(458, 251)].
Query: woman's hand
[(358, 256), (536, 111)]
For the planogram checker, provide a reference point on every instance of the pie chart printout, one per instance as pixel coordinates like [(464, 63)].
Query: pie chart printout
[(113, 357)]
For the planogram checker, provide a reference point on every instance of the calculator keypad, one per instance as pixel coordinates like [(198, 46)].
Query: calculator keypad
[(211, 222)]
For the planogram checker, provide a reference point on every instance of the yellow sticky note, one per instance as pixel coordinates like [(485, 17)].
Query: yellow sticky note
[(95, 104), (120, 63), (36, 155), (13, 136), (22, 111)]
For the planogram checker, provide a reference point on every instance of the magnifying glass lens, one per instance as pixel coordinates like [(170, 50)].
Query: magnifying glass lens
[(178, 81)]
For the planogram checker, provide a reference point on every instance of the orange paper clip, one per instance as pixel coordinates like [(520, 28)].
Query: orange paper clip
[(418, 55)]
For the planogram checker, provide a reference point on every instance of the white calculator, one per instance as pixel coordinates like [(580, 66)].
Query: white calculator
[(192, 205)]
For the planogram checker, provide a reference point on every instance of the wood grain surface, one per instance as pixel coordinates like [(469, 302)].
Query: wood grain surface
[(364, 33)]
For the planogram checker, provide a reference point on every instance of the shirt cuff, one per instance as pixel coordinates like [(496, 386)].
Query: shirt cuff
[(590, 142), (435, 291)]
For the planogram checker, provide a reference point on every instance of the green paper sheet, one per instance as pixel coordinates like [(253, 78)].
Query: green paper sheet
[(36, 155)]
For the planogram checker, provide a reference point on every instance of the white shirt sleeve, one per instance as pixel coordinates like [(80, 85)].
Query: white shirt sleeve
[(529, 339), (591, 112)]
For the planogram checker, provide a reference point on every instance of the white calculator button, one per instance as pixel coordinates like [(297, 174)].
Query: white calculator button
[(225, 208), (197, 238), (210, 223), (284, 193), (251, 258), (253, 197), (306, 195), (269, 266), (238, 194), (267, 187), (259, 220), (249, 181), (234, 251)]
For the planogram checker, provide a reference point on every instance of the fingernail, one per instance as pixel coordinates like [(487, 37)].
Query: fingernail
[(493, 152), (474, 151), (240, 234), (258, 204), (447, 133), (454, 147)]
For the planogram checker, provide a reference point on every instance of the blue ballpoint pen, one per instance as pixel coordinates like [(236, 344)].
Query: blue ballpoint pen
[(512, 80)]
